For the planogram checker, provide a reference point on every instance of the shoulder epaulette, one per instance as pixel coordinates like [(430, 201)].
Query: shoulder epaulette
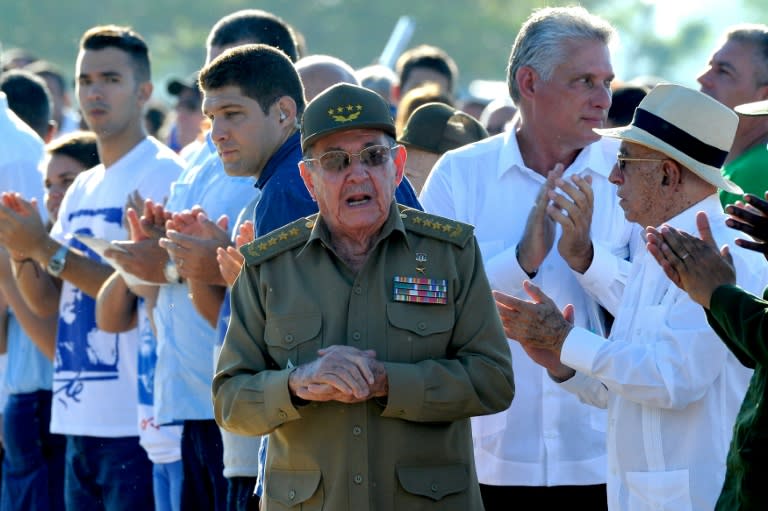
[(436, 226), (278, 241)]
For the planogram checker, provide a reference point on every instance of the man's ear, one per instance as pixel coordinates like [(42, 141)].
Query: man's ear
[(287, 110), (145, 91), (400, 158), (526, 78), (395, 93), (306, 176), (672, 174)]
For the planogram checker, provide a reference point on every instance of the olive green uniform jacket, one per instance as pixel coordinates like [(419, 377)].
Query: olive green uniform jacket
[(741, 321), (444, 362)]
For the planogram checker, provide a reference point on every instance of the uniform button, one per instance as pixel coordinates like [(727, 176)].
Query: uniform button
[(282, 414), (356, 336), (358, 479), (434, 487), (357, 430), (421, 325), (289, 338), (292, 494), (358, 290)]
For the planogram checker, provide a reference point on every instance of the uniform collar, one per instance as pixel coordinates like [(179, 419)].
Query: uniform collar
[(321, 235)]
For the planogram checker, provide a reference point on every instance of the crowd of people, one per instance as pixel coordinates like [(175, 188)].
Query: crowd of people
[(310, 286)]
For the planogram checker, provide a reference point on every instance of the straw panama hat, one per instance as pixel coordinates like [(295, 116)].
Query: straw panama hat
[(687, 126), (756, 108)]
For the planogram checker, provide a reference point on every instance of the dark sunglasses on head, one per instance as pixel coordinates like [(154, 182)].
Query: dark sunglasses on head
[(337, 161)]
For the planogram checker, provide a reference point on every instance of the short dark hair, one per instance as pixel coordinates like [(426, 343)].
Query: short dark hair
[(46, 69), (122, 38), (625, 100), (254, 26), (430, 57), (78, 145), (755, 35), (29, 98), (262, 72)]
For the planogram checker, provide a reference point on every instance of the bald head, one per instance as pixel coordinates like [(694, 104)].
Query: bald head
[(318, 72)]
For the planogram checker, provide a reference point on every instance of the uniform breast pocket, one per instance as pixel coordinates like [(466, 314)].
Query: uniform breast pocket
[(418, 331), (294, 489), (294, 337)]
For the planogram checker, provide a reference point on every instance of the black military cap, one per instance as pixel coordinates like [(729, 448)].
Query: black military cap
[(344, 107), (176, 85), (437, 128)]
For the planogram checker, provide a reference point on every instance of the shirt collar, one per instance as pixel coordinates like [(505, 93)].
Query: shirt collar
[(595, 157), (289, 146), (686, 219)]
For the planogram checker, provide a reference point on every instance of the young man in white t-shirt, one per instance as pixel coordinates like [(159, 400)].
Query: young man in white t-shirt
[(94, 388)]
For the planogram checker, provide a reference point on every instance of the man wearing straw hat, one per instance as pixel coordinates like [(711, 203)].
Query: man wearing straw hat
[(706, 273), (672, 389)]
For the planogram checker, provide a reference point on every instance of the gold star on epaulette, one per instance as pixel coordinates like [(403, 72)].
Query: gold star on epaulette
[(263, 246), (283, 236), (252, 250), (437, 225), (457, 231), (272, 242), (417, 220), (294, 232), (447, 228)]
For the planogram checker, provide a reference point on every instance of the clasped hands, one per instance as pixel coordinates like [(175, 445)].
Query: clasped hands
[(340, 373)]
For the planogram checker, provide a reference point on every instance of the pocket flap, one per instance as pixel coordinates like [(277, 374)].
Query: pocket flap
[(434, 482), (292, 487), (421, 319), (289, 331)]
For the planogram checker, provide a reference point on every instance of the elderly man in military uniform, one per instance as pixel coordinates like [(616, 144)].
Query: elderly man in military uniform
[(362, 338)]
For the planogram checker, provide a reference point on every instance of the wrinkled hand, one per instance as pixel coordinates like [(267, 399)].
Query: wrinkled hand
[(695, 265), (21, 228), (537, 323), (750, 217), (341, 373), (539, 233), (572, 209), (230, 259)]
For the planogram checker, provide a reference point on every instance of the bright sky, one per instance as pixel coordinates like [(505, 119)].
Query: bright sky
[(672, 13)]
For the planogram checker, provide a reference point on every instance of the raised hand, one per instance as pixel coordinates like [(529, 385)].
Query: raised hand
[(750, 217), (696, 265), (539, 233), (21, 229), (538, 323), (192, 240), (572, 209), (230, 259), (142, 256)]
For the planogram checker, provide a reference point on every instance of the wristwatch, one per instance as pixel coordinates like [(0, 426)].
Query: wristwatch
[(57, 261), (171, 273)]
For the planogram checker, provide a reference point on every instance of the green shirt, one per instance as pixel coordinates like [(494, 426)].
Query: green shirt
[(741, 321), (749, 171), (444, 362)]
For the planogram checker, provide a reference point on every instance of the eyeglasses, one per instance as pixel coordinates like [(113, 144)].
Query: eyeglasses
[(337, 161), (623, 159)]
